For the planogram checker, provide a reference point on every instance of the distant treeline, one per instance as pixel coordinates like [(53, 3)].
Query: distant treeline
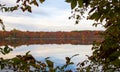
[(53, 35)]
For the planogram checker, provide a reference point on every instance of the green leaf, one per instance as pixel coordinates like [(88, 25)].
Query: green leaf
[(6, 49), (68, 1), (50, 63), (47, 58), (64, 66), (74, 55), (17, 1), (80, 2), (29, 9), (77, 21), (23, 9), (6, 9), (95, 16), (41, 1), (92, 10), (82, 64), (116, 62), (88, 69), (67, 60), (2, 25), (27, 53), (71, 63), (32, 2), (16, 60), (35, 3), (2, 66), (102, 18), (73, 4)]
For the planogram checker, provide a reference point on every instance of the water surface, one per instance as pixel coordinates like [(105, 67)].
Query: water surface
[(56, 52)]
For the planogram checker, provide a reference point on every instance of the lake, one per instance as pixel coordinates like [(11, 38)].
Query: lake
[(56, 52)]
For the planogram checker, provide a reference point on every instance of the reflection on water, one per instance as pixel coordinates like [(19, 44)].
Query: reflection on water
[(29, 41), (54, 51), (57, 50)]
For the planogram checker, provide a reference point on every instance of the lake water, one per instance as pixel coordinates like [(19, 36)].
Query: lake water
[(56, 52)]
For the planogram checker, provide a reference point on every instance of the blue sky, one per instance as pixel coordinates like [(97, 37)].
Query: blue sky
[(52, 15)]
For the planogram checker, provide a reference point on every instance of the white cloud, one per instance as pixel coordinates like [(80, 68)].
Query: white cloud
[(45, 18)]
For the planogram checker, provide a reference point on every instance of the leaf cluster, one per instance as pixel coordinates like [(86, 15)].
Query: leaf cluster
[(5, 50), (27, 63), (107, 13), (24, 5)]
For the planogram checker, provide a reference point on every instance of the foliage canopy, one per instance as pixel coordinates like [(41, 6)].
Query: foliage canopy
[(106, 55)]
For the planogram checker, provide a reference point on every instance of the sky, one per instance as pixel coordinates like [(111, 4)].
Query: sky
[(52, 15)]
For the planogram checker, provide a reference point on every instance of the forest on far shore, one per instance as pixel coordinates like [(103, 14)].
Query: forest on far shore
[(16, 34)]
